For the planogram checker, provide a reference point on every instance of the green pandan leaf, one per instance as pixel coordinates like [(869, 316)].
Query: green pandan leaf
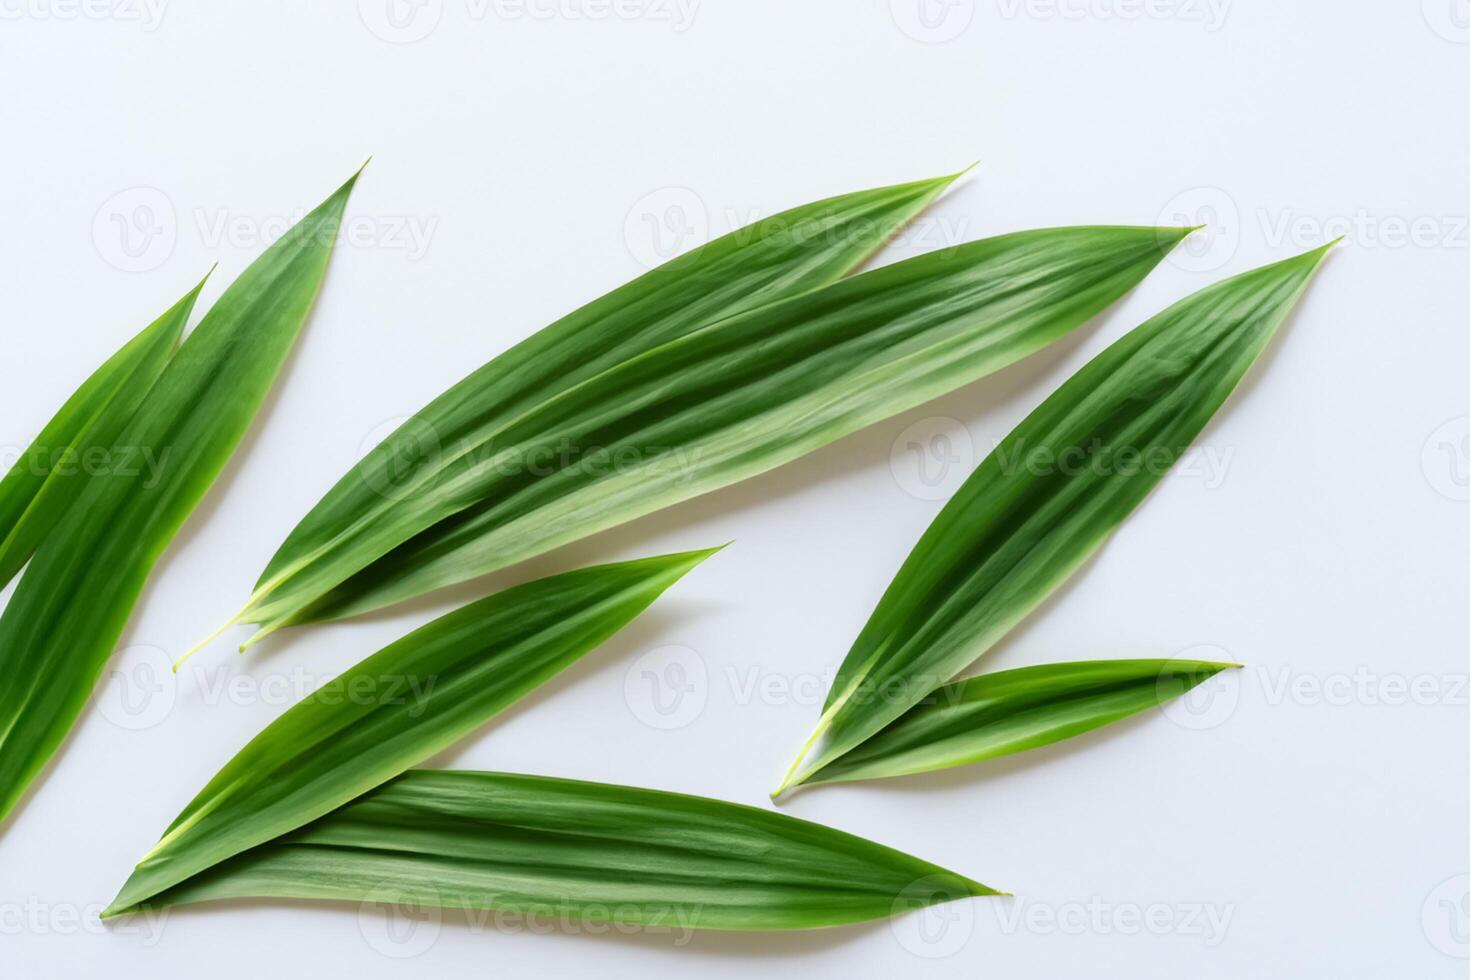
[(1048, 497)]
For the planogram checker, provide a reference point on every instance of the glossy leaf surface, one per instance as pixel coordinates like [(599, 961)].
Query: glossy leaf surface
[(75, 598), (397, 708), (718, 405), (1048, 496), (586, 853)]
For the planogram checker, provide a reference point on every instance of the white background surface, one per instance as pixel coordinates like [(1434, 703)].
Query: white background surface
[(1309, 821)]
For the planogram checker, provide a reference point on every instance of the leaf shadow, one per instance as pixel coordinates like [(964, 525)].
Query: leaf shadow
[(768, 944)]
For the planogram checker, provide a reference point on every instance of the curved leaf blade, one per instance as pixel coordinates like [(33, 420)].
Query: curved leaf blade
[(1011, 711), (531, 844), (400, 706), (74, 600), (1027, 518), (406, 483), (44, 481), (735, 399)]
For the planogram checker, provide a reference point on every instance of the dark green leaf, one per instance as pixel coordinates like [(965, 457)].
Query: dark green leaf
[(588, 852), (1047, 498), (46, 479), (715, 406), (74, 600), (1011, 711), (397, 708)]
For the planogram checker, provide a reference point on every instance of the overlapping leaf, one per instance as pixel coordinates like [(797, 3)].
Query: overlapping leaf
[(999, 714), (397, 708), (74, 600), (1047, 498), (712, 407), (585, 853), (81, 438), (412, 478)]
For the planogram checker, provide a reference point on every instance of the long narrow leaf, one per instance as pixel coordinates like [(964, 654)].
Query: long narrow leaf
[(1000, 714), (397, 708), (724, 403), (409, 481), (74, 600), (1049, 495), (47, 477), (586, 852)]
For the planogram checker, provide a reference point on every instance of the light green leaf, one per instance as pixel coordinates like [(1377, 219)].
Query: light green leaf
[(583, 852), (397, 708), (74, 600), (718, 405), (1047, 498), (47, 477), (999, 714)]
